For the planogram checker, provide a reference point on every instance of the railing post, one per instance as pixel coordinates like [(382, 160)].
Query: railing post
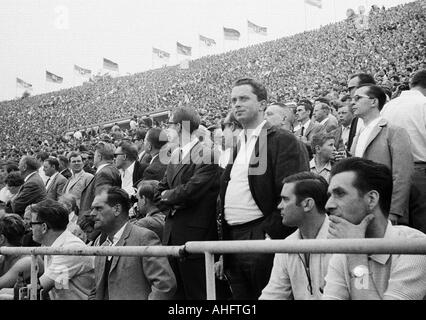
[(34, 276), (210, 276)]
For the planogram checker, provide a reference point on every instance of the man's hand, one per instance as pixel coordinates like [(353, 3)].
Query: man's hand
[(218, 269), (393, 218), (340, 228)]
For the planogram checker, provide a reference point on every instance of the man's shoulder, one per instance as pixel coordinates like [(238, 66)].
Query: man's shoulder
[(138, 233)]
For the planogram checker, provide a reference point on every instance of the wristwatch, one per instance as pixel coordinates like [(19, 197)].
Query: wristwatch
[(359, 271)]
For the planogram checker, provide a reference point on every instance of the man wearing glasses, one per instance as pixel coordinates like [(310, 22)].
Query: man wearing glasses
[(384, 143), (64, 277)]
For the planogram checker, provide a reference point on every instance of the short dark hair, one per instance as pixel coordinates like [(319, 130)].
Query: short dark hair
[(189, 114), (147, 189), (12, 226), (153, 137), (419, 79), (364, 78), (53, 213), (63, 159), (129, 150), (53, 162), (14, 179), (309, 185), (140, 134), (369, 176), (42, 155), (11, 166), (116, 195), (307, 105), (258, 89), (376, 92)]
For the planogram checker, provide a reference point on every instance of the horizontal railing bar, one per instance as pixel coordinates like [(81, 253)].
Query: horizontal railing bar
[(154, 251), (372, 246)]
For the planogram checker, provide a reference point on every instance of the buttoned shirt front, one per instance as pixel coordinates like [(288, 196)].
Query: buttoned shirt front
[(325, 172), (127, 179)]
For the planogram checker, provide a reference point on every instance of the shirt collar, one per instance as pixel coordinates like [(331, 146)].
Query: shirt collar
[(187, 147), (323, 231), (390, 233), (253, 132), (118, 234), (59, 241), (153, 158), (373, 123), (307, 124), (324, 121), (129, 169), (313, 165)]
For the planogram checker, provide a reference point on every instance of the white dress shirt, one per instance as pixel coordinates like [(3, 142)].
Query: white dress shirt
[(50, 180), (408, 111), (364, 136), (240, 206), (127, 179)]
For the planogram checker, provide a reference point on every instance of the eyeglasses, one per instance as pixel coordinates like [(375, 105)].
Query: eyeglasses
[(357, 98), (32, 223), (119, 154)]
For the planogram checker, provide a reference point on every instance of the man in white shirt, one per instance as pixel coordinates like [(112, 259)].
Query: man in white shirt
[(251, 185), (64, 277), (409, 112), (384, 143), (301, 276), (360, 198), (131, 171)]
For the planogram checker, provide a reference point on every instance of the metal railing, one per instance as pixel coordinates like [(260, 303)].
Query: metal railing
[(209, 248)]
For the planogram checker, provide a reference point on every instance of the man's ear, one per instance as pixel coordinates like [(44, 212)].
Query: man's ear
[(308, 204), (372, 198), (263, 105), (2, 239)]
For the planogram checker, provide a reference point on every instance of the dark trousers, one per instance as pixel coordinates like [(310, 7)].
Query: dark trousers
[(248, 273), (417, 208), (190, 276)]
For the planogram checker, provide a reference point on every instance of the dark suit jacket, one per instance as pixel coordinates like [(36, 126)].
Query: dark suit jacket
[(192, 187), (277, 155), (146, 158), (56, 187), (155, 171), (352, 132), (138, 171), (32, 191), (135, 278), (313, 128), (108, 175)]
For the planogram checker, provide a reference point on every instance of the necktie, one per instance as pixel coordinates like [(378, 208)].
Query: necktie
[(302, 131), (47, 181)]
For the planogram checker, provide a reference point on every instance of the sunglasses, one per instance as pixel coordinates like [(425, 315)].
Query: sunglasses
[(32, 223)]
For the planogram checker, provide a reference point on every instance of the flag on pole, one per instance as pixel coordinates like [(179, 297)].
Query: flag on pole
[(110, 65), (207, 41), (160, 53), (315, 3), (184, 50), (51, 77), (23, 85), (257, 29), (82, 71), (231, 34)]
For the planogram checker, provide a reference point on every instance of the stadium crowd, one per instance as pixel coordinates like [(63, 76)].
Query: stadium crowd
[(338, 153)]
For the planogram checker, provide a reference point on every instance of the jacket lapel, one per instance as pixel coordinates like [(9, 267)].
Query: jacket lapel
[(375, 132), (121, 243), (183, 162), (310, 128)]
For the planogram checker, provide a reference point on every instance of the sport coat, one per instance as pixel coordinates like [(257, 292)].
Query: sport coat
[(108, 175), (191, 188), (390, 145), (138, 171), (76, 187), (32, 191), (277, 154), (313, 128), (135, 278), (56, 187)]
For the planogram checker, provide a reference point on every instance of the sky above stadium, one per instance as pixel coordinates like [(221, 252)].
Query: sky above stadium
[(40, 35)]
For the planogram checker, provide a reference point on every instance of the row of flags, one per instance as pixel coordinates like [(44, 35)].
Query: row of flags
[(161, 55)]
